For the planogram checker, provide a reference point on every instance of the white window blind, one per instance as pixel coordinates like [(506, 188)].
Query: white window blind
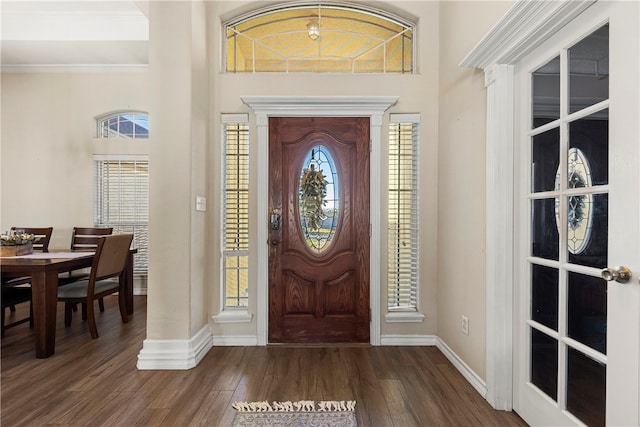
[(403, 213), (122, 200), (236, 210)]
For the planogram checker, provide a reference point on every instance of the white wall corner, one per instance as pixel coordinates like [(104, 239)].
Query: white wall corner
[(468, 373), (175, 354)]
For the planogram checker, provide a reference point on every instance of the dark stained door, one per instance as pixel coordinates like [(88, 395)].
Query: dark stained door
[(319, 229)]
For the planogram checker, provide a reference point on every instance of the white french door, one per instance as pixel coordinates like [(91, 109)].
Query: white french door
[(577, 335)]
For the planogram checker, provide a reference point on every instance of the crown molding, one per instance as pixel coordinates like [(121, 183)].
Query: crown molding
[(523, 28), (74, 68)]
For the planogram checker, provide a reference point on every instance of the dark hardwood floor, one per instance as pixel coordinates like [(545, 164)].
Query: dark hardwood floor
[(95, 382)]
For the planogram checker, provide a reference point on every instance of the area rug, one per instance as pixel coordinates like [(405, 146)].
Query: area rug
[(302, 413)]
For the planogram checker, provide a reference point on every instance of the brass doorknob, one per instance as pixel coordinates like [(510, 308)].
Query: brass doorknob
[(619, 273)]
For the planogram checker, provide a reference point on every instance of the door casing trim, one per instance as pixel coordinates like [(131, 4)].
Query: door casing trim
[(523, 28), (334, 106)]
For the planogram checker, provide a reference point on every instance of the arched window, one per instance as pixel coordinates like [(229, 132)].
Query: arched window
[(319, 37), (124, 124)]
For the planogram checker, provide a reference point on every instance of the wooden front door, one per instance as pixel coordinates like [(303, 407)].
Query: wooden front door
[(319, 229)]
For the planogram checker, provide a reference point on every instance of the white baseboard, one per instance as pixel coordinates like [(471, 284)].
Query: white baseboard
[(186, 354), (175, 354), (235, 340), (409, 340), (478, 383)]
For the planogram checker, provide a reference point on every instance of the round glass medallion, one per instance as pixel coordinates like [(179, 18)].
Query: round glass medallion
[(318, 199)]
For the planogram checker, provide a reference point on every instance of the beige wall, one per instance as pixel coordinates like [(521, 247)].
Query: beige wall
[(47, 122), (48, 130), (461, 178)]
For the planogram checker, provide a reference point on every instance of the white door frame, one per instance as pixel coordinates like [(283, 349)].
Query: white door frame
[(334, 106), (525, 26)]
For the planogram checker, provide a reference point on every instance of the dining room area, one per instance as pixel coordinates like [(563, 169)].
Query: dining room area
[(96, 264)]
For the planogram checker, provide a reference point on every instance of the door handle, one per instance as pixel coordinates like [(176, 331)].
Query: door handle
[(619, 273)]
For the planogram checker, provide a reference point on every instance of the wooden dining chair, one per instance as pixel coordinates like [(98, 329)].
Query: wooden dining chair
[(42, 236), (17, 290), (84, 239), (11, 296), (109, 262)]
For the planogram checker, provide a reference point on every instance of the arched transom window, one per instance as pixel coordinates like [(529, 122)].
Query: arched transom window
[(325, 37), (124, 124)]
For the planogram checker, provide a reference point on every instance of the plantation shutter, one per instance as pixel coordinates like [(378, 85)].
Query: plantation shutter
[(403, 212)]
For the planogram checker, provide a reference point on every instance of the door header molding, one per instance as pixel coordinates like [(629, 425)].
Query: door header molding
[(320, 105)]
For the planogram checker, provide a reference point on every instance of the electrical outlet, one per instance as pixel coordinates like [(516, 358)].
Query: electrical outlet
[(465, 325)]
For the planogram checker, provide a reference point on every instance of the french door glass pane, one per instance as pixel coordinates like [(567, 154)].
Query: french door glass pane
[(587, 311), (590, 137), (546, 93), (587, 229), (545, 160), (586, 388), (544, 235), (544, 363), (589, 70), (544, 295)]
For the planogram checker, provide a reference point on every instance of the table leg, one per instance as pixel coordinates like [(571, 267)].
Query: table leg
[(44, 295)]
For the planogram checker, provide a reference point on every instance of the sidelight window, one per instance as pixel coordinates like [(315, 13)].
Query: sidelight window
[(402, 270), (235, 134)]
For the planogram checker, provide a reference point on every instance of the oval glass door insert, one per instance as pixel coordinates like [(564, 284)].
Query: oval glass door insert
[(318, 201)]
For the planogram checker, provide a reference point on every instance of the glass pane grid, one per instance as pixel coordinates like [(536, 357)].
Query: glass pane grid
[(319, 38), (124, 125), (569, 211)]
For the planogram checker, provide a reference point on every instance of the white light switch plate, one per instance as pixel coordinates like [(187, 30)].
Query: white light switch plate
[(201, 203)]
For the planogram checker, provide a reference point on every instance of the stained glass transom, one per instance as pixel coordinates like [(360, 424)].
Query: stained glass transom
[(312, 37)]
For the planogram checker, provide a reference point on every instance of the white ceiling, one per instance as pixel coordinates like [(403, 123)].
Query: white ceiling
[(84, 34)]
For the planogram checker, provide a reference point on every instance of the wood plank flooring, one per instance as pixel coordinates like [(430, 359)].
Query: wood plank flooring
[(95, 382)]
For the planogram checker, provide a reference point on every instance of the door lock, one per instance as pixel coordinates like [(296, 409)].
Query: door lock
[(275, 219), (619, 273)]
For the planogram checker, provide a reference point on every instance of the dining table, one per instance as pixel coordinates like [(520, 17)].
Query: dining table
[(44, 269)]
